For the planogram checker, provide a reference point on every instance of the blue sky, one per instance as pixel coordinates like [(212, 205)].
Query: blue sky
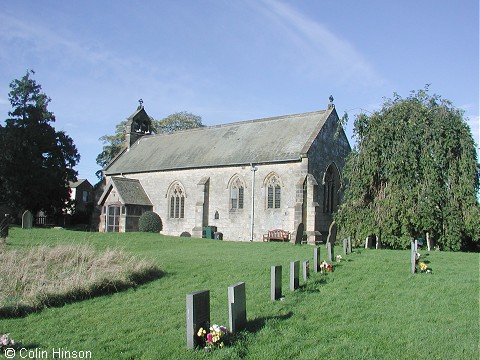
[(234, 60)]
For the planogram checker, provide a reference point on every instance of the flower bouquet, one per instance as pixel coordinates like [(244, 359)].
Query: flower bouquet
[(325, 266), (214, 338), (422, 264), (339, 258), (6, 341)]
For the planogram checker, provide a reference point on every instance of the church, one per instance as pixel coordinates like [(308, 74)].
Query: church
[(239, 180)]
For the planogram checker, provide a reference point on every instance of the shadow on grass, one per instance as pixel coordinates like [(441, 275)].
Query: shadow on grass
[(105, 287), (240, 339)]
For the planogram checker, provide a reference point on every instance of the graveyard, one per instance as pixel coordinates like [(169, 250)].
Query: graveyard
[(371, 306)]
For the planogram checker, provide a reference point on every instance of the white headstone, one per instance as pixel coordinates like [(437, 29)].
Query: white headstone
[(27, 220), (305, 270)]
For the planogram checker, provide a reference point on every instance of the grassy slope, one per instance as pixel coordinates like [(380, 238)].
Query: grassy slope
[(370, 307)]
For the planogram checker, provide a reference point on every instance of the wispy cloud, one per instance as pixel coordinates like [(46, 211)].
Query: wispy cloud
[(323, 51)]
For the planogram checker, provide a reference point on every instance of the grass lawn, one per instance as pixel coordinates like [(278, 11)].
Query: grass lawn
[(370, 307)]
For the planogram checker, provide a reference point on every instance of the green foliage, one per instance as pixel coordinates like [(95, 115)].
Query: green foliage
[(113, 144), (178, 121), (413, 171), (150, 222), (36, 160)]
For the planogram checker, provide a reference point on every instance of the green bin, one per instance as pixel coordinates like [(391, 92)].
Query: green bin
[(209, 232)]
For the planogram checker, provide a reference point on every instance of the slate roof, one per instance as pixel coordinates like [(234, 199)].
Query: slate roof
[(130, 191), (276, 139)]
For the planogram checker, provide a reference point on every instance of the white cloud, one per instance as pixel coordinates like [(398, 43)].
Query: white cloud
[(323, 52)]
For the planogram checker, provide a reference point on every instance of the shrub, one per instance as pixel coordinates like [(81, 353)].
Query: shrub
[(150, 222)]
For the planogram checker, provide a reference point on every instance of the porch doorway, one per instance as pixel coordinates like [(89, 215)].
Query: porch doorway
[(113, 218)]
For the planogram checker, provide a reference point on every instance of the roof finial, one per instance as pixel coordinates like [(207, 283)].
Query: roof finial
[(331, 105), (140, 104)]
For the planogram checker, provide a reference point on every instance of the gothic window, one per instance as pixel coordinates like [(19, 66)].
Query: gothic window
[(236, 193), (331, 185), (274, 192), (177, 201)]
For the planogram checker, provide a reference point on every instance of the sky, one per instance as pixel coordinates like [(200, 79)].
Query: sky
[(231, 61)]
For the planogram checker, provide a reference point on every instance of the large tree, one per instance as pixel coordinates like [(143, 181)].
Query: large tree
[(113, 144), (36, 160), (413, 172)]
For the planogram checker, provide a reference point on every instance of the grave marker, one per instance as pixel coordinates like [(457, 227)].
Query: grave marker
[(413, 256), (344, 247), (305, 270), (237, 307), (329, 251), (349, 245), (276, 282), (198, 315), (27, 220), (316, 259), (294, 269)]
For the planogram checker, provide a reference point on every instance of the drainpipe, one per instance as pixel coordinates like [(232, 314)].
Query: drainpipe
[(253, 169)]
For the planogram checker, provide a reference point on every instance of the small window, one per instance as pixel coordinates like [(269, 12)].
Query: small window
[(85, 196), (236, 193), (274, 192), (177, 202)]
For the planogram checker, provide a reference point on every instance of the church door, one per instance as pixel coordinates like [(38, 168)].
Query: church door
[(113, 217)]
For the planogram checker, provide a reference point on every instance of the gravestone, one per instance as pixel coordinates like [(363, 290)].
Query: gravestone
[(294, 270), (276, 282), (378, 244), (237, 307), (27, 220), (198, 315), (413, 256), (4, 226), (305, 270), (367, 242), (344, 247), (332, 233), (316, 259), (329, 251), (349, 245)]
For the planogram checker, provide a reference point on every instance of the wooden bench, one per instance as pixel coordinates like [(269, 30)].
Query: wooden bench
[(277, 234)]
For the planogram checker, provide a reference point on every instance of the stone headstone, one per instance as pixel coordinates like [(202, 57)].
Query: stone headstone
[(378, 243), (198, 315), (329, 251), (294, 276), (305, 270), (4, 226), (413, 256), (349, 245), (345, 247), (237, 307), (332, 233), (316, 259), (27, 220), (367, 242), (276, 282)]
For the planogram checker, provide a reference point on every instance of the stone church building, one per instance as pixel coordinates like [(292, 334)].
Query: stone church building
[(243, 178)]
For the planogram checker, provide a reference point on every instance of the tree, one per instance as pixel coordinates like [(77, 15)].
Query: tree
[(413, 172), (36, 160), (113, 144)]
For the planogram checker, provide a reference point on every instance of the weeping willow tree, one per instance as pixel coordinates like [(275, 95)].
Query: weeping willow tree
[(413, 172)]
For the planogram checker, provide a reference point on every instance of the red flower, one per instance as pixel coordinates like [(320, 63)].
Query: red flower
[(209, 337)]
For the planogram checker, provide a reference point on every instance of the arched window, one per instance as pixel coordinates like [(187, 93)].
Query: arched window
[(331, 185), (177, 201), (237, 190), (274, 191)]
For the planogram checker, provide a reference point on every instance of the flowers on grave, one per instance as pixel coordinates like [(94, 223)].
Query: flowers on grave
[(6, 341), (214, 338), (339, 258), (422, 264), (325, 266)]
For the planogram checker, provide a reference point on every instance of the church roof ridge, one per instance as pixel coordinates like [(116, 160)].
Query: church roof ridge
[(266, 140)]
